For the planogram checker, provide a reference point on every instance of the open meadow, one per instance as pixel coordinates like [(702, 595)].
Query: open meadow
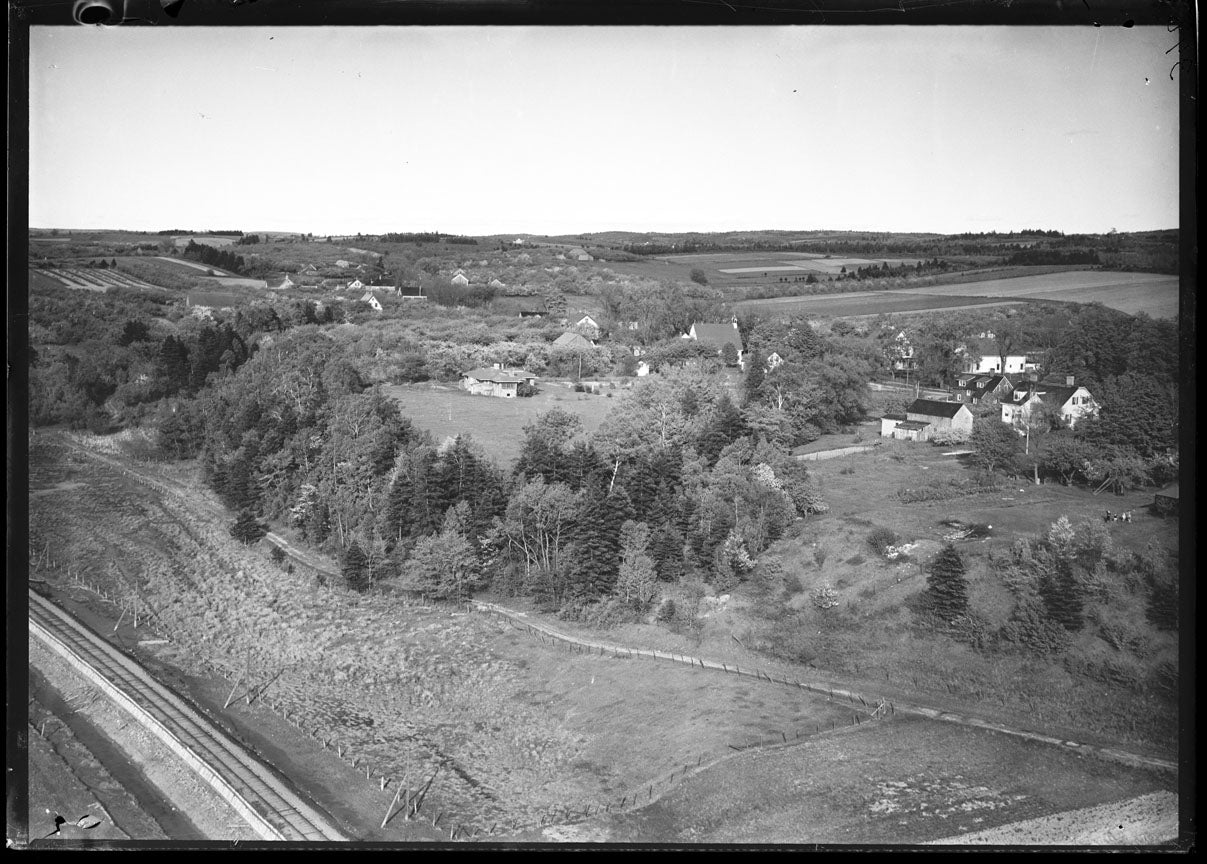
[(497, 425), (525, 739)]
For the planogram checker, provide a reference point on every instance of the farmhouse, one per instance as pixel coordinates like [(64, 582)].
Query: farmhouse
[(981, 356), (924, 417), (572, 340), (496, 382), (371, 298), (496, 284), (273, 285), (355, 285), (1061, 395), (460, 279), (976, 389), (717, 336), (579, 254), (411, 292)]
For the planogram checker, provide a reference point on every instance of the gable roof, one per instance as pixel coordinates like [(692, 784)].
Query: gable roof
[(716, 335), (980, 383), (934, 408), (494, 375), (574, 340)]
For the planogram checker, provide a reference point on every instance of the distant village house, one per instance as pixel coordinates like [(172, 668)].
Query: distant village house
[(496, 382)]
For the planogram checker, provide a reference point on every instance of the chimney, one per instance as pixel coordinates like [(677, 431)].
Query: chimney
[(1069, 381)]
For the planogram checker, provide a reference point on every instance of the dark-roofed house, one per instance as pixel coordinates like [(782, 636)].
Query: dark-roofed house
[(976, 389), (717, 336), (496, 381), (1060, 394), (572, 340), (925, 417)]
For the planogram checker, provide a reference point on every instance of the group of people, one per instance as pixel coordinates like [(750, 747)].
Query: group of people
[(1125, 516)]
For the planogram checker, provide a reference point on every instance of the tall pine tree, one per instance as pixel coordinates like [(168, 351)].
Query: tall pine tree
[(946, 585)]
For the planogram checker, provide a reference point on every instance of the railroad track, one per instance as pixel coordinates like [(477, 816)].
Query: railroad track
[(272, 809)]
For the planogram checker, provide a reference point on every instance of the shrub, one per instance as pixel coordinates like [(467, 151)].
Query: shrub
[(850, 469), (526, 389), (879, 539), (824, 596), (948, 437), (855, 560), (277, 555), (666, 612)]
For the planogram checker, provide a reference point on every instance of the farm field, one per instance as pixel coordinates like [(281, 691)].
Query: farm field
[(497, 425), (516, 730), (862, 304), (207, 239), (194, 266), (1153, 293), (86, 278)]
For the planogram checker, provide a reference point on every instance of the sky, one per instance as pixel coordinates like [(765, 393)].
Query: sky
[(485, 130)]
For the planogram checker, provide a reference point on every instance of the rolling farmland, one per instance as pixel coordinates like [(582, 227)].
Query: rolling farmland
[(1154, 294), (88, 279)]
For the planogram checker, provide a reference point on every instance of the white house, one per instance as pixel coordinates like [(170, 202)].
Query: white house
[(496, 381), (587, 326), (981, 357), (355, 285), (1061, 395), (460, 279), (371, 298)]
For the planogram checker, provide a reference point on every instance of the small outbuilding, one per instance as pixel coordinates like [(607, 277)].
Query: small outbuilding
[(1165, 502)]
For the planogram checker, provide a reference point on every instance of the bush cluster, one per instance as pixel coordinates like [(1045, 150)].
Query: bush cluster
[(943, 490)]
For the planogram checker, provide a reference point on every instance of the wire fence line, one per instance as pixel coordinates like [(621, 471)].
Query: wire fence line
[(870, 707)]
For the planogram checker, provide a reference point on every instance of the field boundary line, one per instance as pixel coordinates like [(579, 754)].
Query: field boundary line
[(1110, 753)]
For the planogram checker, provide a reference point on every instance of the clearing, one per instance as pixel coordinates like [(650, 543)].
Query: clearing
[(497, 424)]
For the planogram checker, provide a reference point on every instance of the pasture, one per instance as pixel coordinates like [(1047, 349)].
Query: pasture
[(495, 424), (1153, 293)]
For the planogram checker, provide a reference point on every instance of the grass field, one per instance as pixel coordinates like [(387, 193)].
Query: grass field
[(495, 424), (1152, 293)]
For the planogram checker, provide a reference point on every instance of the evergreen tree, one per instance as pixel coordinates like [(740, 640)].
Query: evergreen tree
[(354, 568), (246, 529), (946, 586), (597, 536), (1062, 595)]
